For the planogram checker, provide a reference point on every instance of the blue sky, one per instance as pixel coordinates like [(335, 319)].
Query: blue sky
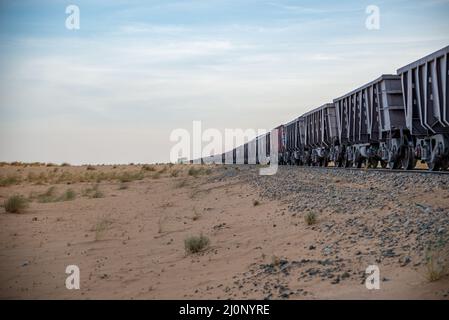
[(113, 91)]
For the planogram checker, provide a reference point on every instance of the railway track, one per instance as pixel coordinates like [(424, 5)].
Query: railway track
[(420, 171)]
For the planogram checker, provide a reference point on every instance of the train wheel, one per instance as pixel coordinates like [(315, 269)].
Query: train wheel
[(390, 164), (433, 165), (341, 162), (358, 162), (395, 164), (408, 160), (372, 163), (383, 164), (393, 161), (444, 165)]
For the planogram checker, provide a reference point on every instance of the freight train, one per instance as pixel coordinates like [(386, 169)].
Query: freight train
[(393, 122)]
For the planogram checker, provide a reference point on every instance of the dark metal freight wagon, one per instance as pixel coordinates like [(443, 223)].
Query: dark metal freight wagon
[(425, 87), (371, 125)]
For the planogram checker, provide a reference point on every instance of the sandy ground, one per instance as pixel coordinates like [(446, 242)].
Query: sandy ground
[(128, 241)]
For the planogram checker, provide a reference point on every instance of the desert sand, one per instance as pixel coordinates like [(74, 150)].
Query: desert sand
[(125, 226)]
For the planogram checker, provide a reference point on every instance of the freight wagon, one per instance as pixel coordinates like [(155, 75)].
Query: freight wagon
[(394, 120), (425, 91)]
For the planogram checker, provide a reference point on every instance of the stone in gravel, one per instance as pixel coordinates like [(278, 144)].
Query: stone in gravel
[(424, 208), (312, 271), (325, 262), (389, 253), (336, 280), (327, 250), (405, 261)]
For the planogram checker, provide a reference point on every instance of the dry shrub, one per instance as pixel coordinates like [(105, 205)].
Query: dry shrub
[(437, 256), (15, 204), (147, 167), (47, 196), (195, 172), (9, 180), (68, 195), (195, 244), (310, 218), (100, 227), (130, 176)]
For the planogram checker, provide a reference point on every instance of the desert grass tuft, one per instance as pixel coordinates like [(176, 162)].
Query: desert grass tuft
[(437, 260), (100, 227), (9, 180), (195, 172), (147, 167), (130, 176), (93, 192), (310, 218), (40, 179), (97, 194), (68, 195), (47, 196), (15, 204), (195, 244)]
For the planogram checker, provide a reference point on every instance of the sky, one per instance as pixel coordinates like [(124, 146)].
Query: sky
[(115, 89)]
